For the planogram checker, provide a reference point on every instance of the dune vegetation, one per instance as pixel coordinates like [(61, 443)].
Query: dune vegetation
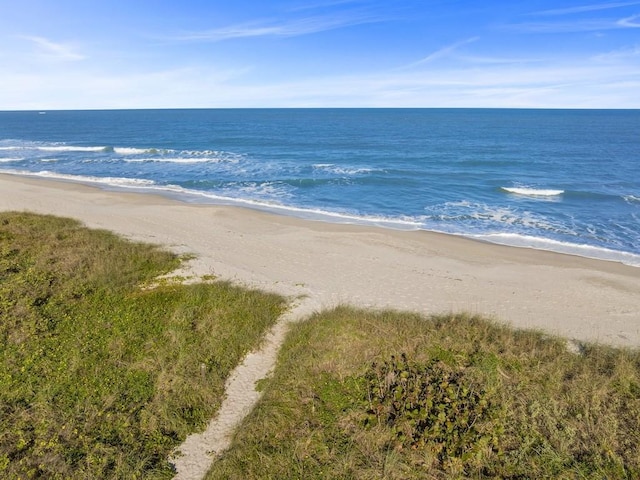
[(104, 370)]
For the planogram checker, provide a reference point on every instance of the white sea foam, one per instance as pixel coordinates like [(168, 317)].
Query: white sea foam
[(173, 156), (533, 192), (589, 251), (107, 181), (274, 206), (133, 151), (462, 212), (328, 215), (69, 148), (264, 190), (341, 170), (11, 159), (175, 160), (210, 153), (631, 199)]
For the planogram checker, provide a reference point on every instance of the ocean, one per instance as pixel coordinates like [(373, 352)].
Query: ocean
[(560, 180)]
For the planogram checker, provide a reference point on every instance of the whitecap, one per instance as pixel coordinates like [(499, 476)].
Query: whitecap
[(68, 148), (133, 150), (533, 192)]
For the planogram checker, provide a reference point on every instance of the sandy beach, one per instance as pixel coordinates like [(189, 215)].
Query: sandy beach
[(330, 264)]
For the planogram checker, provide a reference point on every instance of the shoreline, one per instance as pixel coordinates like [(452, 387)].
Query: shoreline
[(366, 266), (195, 197)]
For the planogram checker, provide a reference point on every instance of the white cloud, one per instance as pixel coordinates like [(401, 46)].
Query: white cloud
[(585, 84), (443, 52), (630, 22), (486, 60), (543, 85), (580, 24), (591, 25), (323, 4), (290, 28), (55, 51), (619, 54), (585, 8)]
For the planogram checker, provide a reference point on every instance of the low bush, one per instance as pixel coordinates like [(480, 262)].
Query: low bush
[(433, 405)]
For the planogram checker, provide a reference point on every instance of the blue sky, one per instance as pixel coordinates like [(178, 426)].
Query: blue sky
[(76, 54)]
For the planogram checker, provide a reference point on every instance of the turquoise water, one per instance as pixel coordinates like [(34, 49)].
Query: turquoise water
[(563, 180)]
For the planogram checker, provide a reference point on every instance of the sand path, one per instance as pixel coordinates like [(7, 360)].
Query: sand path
[(197, 453)]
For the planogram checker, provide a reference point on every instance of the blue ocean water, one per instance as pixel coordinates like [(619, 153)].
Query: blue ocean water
[(562, 180)]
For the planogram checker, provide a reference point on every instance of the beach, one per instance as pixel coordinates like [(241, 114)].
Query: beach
[(331, 264)]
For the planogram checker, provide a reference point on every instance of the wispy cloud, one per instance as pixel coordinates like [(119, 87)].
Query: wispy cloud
[(290, 28), (585, 8), (55, 51), (486, 60), (550, 85), (576, 23), (630, 22), (583, 83), (323, 4), (619, 54), (592, 25), (443, 52)]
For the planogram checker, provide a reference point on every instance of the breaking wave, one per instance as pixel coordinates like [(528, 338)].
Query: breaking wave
[(533, 192)]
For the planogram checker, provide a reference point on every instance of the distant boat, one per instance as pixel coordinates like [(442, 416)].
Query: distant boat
[(42, 113)]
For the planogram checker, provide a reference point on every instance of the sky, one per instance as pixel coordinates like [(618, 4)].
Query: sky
[(99, 54)]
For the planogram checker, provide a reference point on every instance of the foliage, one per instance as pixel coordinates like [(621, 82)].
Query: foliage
[(432, 405), (100, 378)]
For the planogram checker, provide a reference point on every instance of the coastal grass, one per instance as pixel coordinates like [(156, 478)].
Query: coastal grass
[(387, 395), (101, 374)]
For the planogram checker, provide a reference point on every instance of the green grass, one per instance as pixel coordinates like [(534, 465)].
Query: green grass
[(469, 399), (100, 378)]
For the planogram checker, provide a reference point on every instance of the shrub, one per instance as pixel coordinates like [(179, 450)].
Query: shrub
[(434, 406)]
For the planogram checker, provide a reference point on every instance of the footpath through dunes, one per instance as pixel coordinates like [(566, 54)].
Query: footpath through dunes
[(197, 453)]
